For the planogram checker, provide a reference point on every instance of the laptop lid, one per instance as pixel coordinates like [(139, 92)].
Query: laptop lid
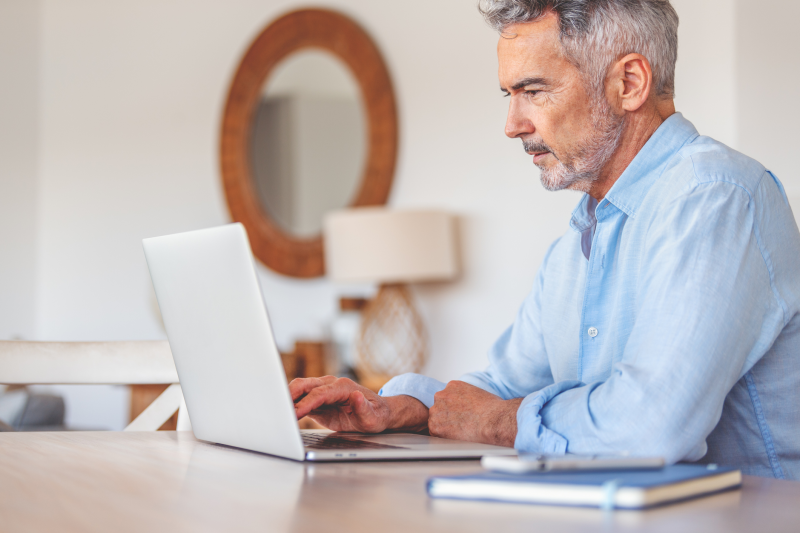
[(221, 340)]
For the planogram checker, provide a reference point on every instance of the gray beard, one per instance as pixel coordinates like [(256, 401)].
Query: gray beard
[(592, 155)]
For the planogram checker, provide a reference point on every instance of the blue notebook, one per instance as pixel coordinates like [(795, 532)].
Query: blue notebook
[(609, 489)]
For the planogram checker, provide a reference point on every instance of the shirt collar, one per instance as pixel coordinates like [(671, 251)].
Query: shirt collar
[(583, 216), (632, 186)]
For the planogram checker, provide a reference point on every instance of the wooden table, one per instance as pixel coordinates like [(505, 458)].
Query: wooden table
[(167, 481)]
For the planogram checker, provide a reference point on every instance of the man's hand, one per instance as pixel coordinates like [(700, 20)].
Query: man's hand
[(464, 412), (343, 405)]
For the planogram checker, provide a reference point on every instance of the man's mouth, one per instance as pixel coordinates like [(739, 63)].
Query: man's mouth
[(539, 156), (538, 149)]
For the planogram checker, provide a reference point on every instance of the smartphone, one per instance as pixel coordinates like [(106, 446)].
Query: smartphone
[(528, 463)]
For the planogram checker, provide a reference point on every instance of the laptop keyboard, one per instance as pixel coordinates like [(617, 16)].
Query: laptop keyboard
[(318, 441)]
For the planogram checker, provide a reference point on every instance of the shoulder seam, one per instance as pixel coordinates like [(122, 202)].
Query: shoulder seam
[(756, 232), (699, 181)]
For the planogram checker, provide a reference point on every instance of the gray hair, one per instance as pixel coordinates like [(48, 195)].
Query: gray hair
[(596, 33)]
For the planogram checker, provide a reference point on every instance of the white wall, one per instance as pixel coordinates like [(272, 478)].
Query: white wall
[(131, 99), (19, 138), (705, 76), (768, 77)]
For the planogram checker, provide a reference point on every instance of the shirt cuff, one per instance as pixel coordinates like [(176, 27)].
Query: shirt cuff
[(532, 435), (415, 385)]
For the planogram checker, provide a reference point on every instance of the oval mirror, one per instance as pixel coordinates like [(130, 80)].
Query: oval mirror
[(308, 141), (309, 126)]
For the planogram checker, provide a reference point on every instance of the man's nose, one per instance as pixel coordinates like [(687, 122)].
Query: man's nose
[(517, 123)]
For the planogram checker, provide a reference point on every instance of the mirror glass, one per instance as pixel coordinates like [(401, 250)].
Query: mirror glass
[(308, 142)]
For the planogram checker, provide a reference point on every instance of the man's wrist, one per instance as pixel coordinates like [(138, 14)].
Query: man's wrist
[(503, 429), (406, 413)]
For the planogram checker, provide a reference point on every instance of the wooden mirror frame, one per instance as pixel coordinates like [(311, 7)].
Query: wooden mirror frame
[(337, 34)]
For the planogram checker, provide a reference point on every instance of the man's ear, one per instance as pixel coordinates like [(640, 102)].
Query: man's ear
[(631, 81)]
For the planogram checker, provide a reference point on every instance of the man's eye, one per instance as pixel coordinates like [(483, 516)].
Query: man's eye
[(531, 93)]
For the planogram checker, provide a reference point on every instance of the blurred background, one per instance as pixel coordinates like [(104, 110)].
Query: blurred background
[(110, 117)]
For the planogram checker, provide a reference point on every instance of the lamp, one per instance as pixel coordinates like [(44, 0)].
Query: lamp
[(393, 248)]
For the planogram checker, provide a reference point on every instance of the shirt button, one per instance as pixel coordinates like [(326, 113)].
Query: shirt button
[(593, 332)]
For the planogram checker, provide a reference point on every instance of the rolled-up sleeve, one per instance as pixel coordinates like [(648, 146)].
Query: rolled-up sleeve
[(532, 434), (417, 386)]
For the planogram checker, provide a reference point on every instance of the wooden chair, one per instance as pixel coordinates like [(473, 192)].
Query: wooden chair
[(100, 363)]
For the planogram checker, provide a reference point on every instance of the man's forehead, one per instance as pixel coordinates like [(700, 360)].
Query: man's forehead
[(529, 46)]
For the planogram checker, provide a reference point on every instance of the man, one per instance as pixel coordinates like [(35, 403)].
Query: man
[(665, 321)]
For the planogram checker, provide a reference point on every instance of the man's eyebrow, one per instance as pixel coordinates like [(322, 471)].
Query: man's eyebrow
[(525, 82)]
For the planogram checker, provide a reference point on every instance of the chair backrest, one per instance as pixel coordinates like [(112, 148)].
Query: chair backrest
[(99, 363)]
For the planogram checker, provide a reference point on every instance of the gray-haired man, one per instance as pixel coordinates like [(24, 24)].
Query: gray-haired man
[(665, 321)]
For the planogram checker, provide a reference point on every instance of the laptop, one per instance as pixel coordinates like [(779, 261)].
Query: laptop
[(230, 369)]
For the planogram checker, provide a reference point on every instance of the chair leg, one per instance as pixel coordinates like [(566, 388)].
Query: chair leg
[(159, 411), (184, 424)]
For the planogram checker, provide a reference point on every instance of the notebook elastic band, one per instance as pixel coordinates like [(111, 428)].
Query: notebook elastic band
[(609, 493)]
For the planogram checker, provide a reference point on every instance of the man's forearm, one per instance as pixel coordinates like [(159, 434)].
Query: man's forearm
[(407, 414)]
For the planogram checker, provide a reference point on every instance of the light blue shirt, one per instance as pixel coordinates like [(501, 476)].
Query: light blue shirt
[(665, 321)]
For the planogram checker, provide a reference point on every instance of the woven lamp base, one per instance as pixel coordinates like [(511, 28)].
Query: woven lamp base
[(393, 339)]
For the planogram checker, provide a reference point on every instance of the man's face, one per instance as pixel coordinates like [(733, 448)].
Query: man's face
[(570, 132)]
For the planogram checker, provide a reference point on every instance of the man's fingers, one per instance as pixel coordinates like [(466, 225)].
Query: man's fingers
[(319, 396), (301, 386)]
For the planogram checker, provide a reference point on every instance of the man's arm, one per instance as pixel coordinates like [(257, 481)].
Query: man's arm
[(465, 412), (482, 406), (518, 366), (518, 363)]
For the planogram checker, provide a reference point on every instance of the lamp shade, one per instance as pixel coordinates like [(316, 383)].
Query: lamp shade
[(374, 244)]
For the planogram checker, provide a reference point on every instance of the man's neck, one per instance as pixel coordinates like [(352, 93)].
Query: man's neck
[(642, 124)]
